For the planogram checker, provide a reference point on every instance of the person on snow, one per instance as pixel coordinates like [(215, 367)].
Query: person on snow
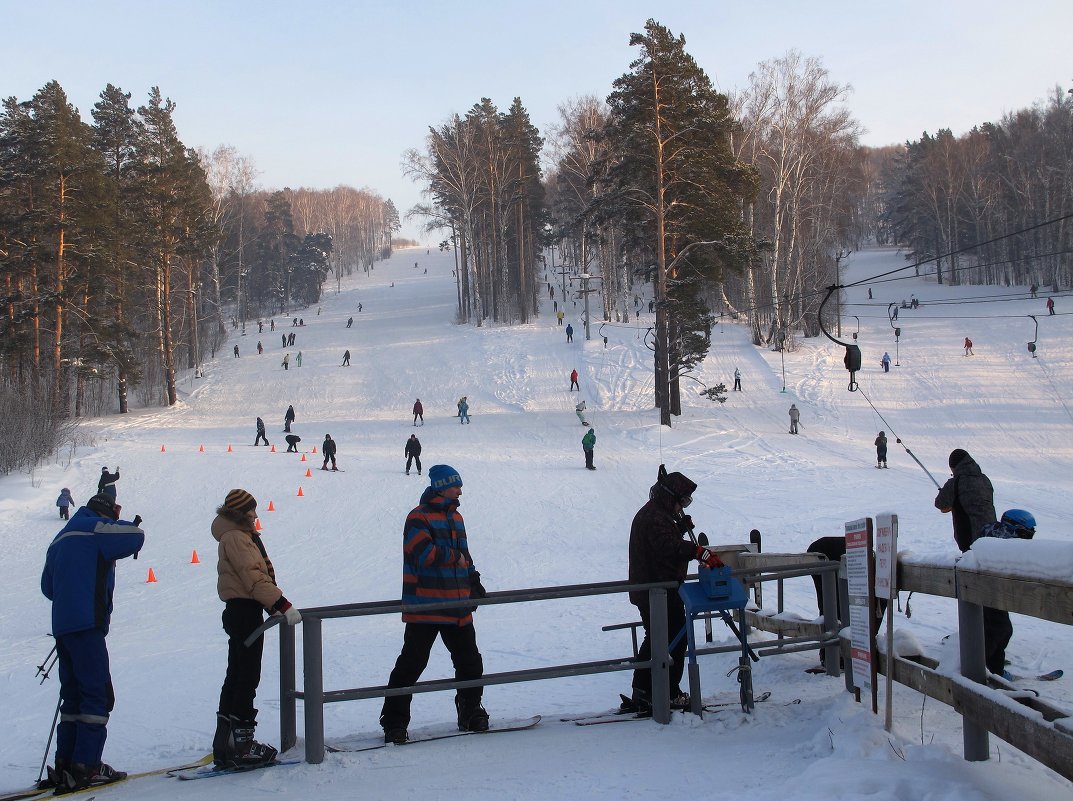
[(412, 452), (419, 412), (737, 380), (106, 484), (298, 359), (560, 315), (795, 418), (79, 579), (969, 496), (1050, 305), (292, 442), (573, 381), (260, 433), (349, 322), (459, 403), (579, 410), (968, 347), (1014, 524), (260, 348), (236, 351), (288, 418), (246, 583), (885, 361), (346, 358), (588, 443), (328, 449), (65, 502), (284, 337), (569, 333), (658, 552), (437, 566), (286, 361), (463, 410), (881, 449)]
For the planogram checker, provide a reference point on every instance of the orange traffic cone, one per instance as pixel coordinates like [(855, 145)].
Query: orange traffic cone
[(273, 449), (314, 449), (300, 493), (303, 458), (151, 579), (257, 524), (193, 559), (161, 448), (201, 449), (271, 507), (229, 449), (308, 474)]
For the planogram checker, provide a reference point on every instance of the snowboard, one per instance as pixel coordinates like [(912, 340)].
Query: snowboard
[(373, 742)]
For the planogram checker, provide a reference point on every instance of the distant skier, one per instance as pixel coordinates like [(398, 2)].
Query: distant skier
[(107, 482), (65, 502), (737, 380), (298, 359), (885, 361), (560, 315), (1034, 289), (419, 413), (795, 418), (588, 444), (284, 338), (573, 381), (349, 322), (328, 448), (346, 358), (968, 347), (292, 442), (286, 361), (881, 449), (412, 452), (579, 410), (1050, 305), (463, 410), (236, 351), (260, 433), (260, 348), (288, 418), (569, 333), (359, 308)]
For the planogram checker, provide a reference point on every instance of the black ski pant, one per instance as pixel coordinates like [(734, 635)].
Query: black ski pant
[(998, 630), (676, 620), (588, 457), (241, 617), (413, 457), (260, 436), (417, 642)]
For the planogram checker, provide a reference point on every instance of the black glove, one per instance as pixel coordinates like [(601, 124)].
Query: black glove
[(137, 521), (685, 524), (476, 589)]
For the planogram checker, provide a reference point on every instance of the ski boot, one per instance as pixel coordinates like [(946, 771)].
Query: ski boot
[(80, 776), (471, 715), (221, 741), (243, 750)]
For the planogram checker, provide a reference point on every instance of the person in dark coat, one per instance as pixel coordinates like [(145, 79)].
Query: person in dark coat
[(437, 566), (292, 442), (346, 358), (658, 552), (328, 449), (260, 433), (107, 482), (79, 579), (569, 333), (413, 453), (419, 412), (881, 449), (970, 498), (288, 418)]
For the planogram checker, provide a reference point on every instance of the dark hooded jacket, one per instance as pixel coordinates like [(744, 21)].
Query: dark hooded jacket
[(657, 550), (969, 496)]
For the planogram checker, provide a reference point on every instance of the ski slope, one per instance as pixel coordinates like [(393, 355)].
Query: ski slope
[(537, 518)]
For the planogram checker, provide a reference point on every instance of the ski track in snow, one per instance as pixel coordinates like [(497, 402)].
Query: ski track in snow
[(536, 518)]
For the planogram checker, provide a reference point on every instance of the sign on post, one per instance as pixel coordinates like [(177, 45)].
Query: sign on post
[(860, 578), (886, 587)]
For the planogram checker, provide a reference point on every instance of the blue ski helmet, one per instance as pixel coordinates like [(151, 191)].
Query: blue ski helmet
[(1020, 519)]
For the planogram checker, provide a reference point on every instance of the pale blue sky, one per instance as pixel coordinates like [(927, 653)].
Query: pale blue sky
[(321, 93)]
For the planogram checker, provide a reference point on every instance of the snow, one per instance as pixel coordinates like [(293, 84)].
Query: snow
[(536, 518)]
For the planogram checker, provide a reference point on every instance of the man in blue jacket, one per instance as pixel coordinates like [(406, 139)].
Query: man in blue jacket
[(79, 578)]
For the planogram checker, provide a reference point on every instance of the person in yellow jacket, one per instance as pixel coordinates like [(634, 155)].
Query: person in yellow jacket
[(246, 582)]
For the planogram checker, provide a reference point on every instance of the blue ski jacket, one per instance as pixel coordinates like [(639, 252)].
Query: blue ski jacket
[(79, 574)]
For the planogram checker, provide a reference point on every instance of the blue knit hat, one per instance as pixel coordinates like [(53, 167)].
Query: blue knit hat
[(442, 476)]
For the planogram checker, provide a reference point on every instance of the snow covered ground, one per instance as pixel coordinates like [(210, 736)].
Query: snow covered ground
[(536, 518)]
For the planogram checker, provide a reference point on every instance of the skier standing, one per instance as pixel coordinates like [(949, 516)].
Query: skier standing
[(412, 452), (569, 333), (737, 380), (107, 482), (328, 448), (247, 585), (260, 433), (881, 449), (573, 381), (885, 361), (236, 351), (65, 502), (260, 348), (463, 410), (968, 347), (286, 361), (79, 579), (419, 412), (288, 418), (795, 418), (346, 358), (579, 410), (588, 444), (437, 567)]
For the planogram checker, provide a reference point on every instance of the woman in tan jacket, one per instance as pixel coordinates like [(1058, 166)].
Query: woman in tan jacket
[(247, 586)]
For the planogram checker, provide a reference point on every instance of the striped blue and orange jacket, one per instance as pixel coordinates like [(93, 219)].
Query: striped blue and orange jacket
[(436, 561)]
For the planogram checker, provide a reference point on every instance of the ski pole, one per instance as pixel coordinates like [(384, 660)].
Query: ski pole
[(48, 745), (47, 664)]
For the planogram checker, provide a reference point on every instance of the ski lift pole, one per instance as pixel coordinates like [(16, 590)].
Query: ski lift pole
[(1035, 336), (852, 359)]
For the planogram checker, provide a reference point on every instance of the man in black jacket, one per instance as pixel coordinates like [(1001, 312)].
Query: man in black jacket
[(328, 449), (413, 453), (658, 552)]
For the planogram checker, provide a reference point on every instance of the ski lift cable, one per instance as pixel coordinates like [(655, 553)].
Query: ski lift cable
[(898, 439), (1057, 394)]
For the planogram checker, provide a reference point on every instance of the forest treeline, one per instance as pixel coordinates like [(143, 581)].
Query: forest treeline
[(735, 205), (125, 255)]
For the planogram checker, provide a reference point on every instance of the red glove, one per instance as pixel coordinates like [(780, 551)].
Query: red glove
[(708, 558)]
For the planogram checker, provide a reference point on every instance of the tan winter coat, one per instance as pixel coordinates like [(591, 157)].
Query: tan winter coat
[(244, 569)]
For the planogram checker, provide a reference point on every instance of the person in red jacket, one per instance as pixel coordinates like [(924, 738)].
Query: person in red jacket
[(419, 412), (968, 347), (573, 381)]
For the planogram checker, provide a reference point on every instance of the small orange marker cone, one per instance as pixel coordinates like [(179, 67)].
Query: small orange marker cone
[(257, 524), (201, 449), (303, 458), (314, 449), (193, 559), (229, 449), (271, 506), (300, 493), (161, 448), (308, 474), (273, 449), (151, 578)]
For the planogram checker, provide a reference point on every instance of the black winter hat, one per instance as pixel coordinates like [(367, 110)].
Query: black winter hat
[(104, 506), (957, 456)]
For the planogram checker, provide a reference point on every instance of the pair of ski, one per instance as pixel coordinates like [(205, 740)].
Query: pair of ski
[(374, 742), (46, 792), (622, 715)]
